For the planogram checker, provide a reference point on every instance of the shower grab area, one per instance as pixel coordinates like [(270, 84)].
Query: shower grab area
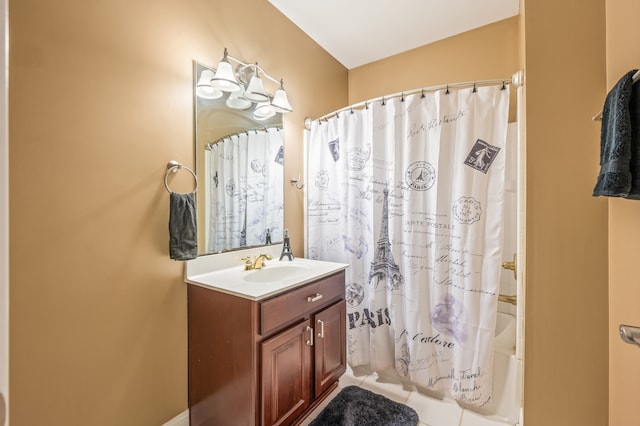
[(361, 208)]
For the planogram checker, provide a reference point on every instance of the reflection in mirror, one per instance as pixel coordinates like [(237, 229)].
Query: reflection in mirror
[(239, 147)]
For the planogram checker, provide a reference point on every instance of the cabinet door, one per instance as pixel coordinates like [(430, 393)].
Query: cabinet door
[(286, 374), (330, 349)]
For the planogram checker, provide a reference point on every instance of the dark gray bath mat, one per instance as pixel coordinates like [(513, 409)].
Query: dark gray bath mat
[(355, 406)]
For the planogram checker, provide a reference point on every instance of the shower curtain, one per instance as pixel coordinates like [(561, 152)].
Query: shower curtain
[(409, 193), (244, 189)]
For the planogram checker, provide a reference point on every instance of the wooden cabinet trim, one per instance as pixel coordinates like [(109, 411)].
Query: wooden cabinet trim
[(228, 338), (282, 310)]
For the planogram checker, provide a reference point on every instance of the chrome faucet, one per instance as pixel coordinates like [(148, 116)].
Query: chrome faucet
[(257, 263)]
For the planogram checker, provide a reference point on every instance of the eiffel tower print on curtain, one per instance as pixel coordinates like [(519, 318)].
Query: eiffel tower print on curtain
[(383, 268)]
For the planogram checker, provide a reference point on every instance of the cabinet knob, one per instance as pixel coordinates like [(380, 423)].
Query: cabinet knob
[(315, 298), (321, 333), (310, 340)]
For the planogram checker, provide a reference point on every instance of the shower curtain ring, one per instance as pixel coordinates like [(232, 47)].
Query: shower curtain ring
[(446, 92)]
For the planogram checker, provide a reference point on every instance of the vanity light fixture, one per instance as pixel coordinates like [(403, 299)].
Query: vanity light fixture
[(255, 90), (263, 111), (245, 86), (236, 100), (204, 89), (224, 78), (280, 102)]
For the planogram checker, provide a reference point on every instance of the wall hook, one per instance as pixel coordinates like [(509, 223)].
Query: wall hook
[(296, 183)]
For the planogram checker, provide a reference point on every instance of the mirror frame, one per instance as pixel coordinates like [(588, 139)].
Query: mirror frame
[(223, 127)]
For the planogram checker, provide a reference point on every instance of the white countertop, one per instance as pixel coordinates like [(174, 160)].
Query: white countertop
[(225, 272)]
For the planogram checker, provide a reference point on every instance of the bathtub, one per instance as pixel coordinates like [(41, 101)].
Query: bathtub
[(507, 378)]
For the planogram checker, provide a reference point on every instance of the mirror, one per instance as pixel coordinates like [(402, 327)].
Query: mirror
[(240, 168)]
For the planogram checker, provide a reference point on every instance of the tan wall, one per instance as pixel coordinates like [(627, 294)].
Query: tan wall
[(486, 53), (623, 52), (566, 276), (100, 100)]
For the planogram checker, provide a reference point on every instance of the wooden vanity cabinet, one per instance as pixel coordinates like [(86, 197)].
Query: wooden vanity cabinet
[(266, 362)]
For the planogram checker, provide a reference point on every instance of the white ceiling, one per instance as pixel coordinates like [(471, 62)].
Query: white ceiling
[(357, 32)]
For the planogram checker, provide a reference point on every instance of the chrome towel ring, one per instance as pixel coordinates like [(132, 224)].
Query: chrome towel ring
[(174, 167)]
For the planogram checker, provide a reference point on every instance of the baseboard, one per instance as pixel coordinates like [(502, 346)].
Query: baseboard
[(181, 419)]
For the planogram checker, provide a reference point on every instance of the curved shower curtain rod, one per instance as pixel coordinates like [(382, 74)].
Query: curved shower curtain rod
[(516, 80), (246, 131)]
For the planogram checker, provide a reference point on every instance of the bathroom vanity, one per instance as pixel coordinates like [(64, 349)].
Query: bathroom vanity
[(265, 350)]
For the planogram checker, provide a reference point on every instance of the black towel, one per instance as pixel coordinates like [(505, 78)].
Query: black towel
[(619, 145), (183, 234), (634, 115)]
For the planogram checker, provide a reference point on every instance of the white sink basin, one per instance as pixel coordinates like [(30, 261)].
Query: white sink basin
[(275, 277), (271, 273)]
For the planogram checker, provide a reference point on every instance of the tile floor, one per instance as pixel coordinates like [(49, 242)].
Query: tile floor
[(432, 412)]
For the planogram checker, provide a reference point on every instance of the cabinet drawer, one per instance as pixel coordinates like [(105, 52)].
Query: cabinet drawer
[(296, 303)]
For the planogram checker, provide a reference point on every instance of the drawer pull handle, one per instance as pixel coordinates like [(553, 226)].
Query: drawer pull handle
[(321, 334), (310, 340), (315, 298)]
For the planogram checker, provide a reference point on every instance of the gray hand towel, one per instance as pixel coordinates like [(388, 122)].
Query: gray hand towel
[(634, 115), (183, 234), (619, 142)]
